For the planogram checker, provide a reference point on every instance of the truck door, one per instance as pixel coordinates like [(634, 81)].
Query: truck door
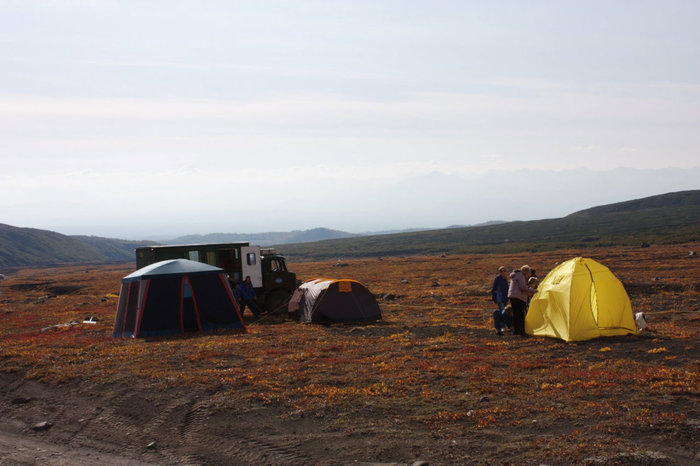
[(250, 262)]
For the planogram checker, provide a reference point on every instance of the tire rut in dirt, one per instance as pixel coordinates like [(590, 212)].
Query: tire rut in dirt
[(249, 451), (229, 447), (110, 430), (193, 422)]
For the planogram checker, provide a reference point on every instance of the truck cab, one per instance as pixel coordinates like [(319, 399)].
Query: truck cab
[(278, 281)]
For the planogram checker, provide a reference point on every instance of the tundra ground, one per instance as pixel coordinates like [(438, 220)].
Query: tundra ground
[(430, 382)]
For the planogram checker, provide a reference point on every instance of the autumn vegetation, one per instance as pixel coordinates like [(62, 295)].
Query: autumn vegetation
[(431, 375)]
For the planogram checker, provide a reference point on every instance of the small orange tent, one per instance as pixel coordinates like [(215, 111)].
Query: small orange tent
[(334, 300)]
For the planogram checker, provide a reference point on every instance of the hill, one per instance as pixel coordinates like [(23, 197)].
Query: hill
[(21, 247), (29, 246), (664, 219), (113, 250)]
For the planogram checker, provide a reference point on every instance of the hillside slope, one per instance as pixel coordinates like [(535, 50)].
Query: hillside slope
[(29, 246), (666, 218), (681, 199), (113, 249)]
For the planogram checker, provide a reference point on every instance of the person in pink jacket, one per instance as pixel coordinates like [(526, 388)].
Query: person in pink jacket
[(518, 294)]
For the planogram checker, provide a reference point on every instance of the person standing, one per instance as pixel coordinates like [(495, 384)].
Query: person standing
[(499, 295), (532, 282), (499, 289), (518, 293), (246, 297)]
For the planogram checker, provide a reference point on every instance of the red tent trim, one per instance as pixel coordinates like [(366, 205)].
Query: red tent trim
[(194, 301), (227, 285), (139, 309), (126, 308)]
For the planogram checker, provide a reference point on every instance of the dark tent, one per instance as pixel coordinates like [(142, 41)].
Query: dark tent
[(330, 300), (175, 296)]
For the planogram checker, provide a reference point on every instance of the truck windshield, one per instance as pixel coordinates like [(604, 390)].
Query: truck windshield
[(278, 265)]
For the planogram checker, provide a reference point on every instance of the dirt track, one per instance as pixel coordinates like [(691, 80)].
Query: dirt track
[(118, 425), (20, 450)]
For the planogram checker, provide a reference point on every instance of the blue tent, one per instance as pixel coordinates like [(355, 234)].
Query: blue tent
[(175, 296)]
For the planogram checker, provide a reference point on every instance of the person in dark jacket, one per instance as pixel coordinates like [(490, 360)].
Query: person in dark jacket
[(499, 289), (499, 295), (246, 297)]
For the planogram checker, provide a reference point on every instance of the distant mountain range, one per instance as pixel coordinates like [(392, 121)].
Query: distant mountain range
[(295, 236), (263, 239), (666, 218)]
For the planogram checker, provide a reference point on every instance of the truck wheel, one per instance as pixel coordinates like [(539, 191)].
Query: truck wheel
[(275, 299)]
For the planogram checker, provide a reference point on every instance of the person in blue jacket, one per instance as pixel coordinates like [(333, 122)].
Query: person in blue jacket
[(246, 297), (499, 295)]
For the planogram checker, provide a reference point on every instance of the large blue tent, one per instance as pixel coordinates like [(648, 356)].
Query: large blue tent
[(175, 296)]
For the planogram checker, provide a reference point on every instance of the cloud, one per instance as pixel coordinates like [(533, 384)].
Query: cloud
[(426, 111), (458, 132)]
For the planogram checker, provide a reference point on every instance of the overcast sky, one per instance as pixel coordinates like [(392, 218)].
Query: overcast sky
[(152, 119)]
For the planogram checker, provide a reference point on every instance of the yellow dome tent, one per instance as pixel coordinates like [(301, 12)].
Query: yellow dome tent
[(578, 300)]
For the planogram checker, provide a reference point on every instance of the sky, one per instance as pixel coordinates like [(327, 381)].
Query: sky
[(153, 119)]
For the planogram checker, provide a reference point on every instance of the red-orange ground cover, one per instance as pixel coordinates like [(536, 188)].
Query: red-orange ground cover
[(430, 381)]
